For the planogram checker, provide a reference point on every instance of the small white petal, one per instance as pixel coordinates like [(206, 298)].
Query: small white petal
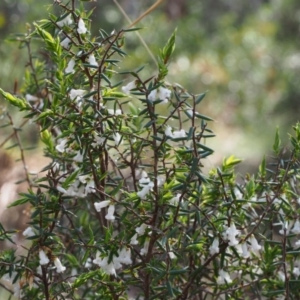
[(59, 267), (70, 67)]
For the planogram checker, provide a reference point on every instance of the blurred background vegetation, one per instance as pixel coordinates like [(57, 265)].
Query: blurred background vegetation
[(244, 53)]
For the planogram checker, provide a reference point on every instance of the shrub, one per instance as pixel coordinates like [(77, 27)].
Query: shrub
[(124, 210)]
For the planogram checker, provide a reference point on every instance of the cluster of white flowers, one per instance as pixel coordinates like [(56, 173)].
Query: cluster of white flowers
[(230, 234), (44, 260), (123, 257), (139, 231), (146, 184), (223, 278), (160, 94), (81, 187), (110, 211)]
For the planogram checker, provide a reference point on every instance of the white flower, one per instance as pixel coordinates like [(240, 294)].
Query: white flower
[(214, 248), (78, 157), (281, 276), (144, 250), (286, 227), (179, 134), (110, 213), (134, 240), (141, 229), (108, 268), (65, 21), (296, 228), (88, 263), (81, 27), (65, 43), (175, 200), (146, 189), (28, 232), (230, 234), (296, 271), (168, 131), (76, 94), (98, 140), (238, 194), (127, 88), (70, 67), (113, 112), (61, 146), (223, 277), (160, 180), (171, 255), (297, 244), (124, 256), (254, 246), (99, 205), (29, 97), (59, 267), (117, 138), (92, 60), (44, 260), (245, 251)]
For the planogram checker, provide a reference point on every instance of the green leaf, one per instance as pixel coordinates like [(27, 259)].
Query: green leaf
[(277, 142)]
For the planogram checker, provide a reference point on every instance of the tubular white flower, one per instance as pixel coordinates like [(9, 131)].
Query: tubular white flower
[(254, 246), (65, 43), (214, 248), (28, 232), (29, 97), (78, 157), (144, 250), (110, 213), (44, 260), (223, 277), (133, 240), (296, 271), (92, 60), (124, 256), (245, 251), (171, 255), (65, 21), (99, 205), (175, 200), (59, 267), (70, 67), (141, 229), (168, 131), (179, 134), (113, 112), (163, 94), (117, 138), (127, 88), (296, 228), (108, 268), (152, 96), (76, 94), (61, 146), (81, 27), (146, 189)]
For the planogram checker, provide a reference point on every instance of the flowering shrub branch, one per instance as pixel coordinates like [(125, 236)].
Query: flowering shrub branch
[(124, 210)]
